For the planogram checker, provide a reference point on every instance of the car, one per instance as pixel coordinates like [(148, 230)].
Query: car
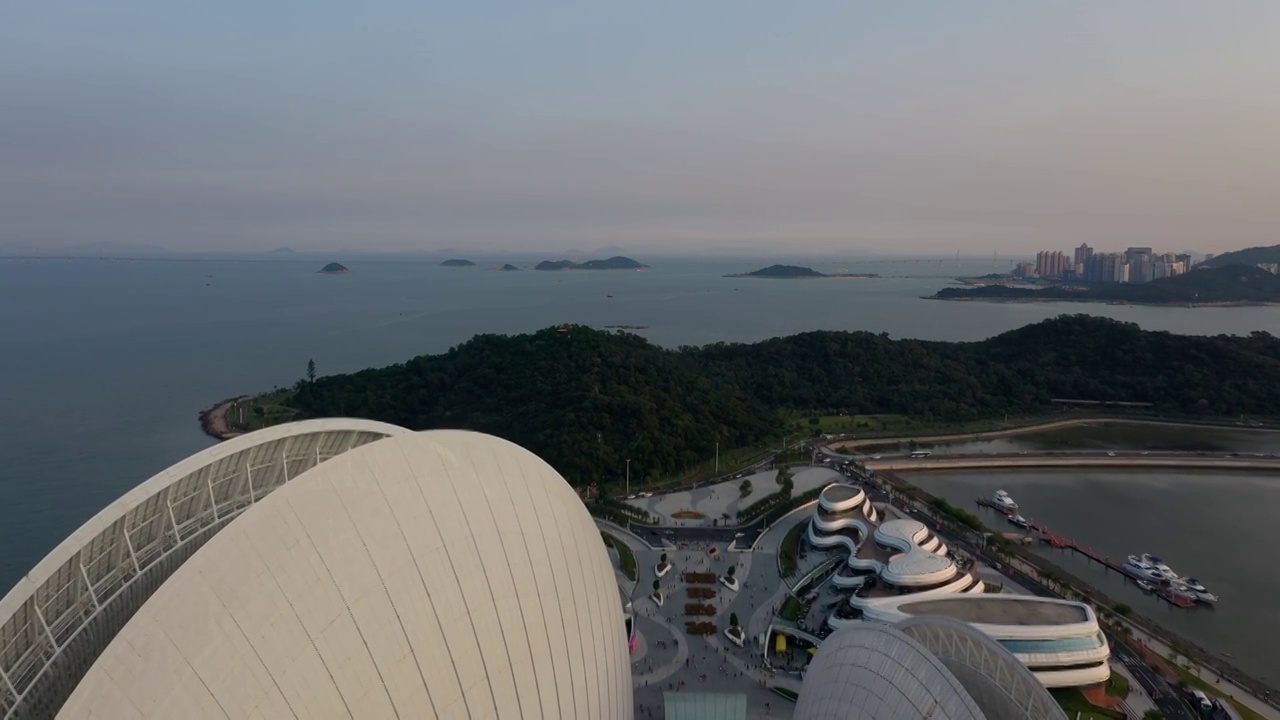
[(1111, 454), (875, 457)]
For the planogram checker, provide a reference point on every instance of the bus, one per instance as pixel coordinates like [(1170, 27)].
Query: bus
[(917, 454)]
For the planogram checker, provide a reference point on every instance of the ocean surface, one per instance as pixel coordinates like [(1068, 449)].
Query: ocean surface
[(105, 364)]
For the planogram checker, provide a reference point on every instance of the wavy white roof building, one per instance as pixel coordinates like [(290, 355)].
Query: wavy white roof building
[(935, 668), (1059, 640), (333, 568), (886, 557)]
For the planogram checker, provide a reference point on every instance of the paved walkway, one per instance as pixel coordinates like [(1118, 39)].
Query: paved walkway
[(717, 501), (1138, 702)]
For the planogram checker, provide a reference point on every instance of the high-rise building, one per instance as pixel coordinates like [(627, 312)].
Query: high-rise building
[(1051, 264), (1185, 259), (1082, 254), (1120, 272), (1024, 270)]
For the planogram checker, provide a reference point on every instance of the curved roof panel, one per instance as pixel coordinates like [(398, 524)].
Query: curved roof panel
[(436, 574), (876, 672), (1002, 686), (58, 617)]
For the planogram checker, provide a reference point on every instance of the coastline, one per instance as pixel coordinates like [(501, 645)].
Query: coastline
[(213, 420), (1219, 304)]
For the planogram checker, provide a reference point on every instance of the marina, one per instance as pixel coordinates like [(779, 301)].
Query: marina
[(1148, 571)]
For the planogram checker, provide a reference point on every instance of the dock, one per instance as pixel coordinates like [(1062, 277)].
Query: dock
[(1065, 543)]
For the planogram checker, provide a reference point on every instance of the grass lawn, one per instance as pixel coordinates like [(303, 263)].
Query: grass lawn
[(731, 460), (626, 558), (1214, 691), (1072, 701), (787, 550), (262, 411), (791, 609), (1118, 686)]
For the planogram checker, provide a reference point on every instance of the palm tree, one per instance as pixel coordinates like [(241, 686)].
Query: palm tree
[(1152, 714)]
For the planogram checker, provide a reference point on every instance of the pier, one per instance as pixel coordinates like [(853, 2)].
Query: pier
[(1065, 543)]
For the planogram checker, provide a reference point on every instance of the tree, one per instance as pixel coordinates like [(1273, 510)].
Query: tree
[(1153, 714), (656, 585), (663, 559), (733, 619), (745, 488), (732, 569), (259, 411), (1123, 610), (311, 370)]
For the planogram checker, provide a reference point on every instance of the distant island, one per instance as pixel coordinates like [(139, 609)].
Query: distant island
[(334, 269), (796, 272), (1267, 255), (455, 262), (616, 262), (1233, 284), (508, 267)]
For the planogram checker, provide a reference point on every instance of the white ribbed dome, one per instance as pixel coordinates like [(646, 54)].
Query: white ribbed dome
[(430, 575)]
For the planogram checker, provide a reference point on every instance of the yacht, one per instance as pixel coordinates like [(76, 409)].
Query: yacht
[(1002, 501), (1019, 520), (1193, 586), (1165, 571), (1141, 568), (1146, 586)]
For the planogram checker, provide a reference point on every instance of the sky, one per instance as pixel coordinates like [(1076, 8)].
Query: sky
[(659, 127)]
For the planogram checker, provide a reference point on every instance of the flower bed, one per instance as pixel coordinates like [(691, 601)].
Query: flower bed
[(688, 515), (699, 627), (699, 609), (702, 593), (704, 578)]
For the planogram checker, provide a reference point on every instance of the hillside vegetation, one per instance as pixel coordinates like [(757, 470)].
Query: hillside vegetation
[(1247, 256), (586, 400), (1233, 283)]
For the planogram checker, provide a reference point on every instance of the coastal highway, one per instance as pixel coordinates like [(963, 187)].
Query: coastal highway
[(1069, 458)]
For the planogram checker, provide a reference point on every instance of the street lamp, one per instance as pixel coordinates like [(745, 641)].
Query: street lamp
[(628, 476)]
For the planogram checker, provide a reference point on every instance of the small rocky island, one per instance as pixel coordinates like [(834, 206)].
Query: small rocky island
[(617, 262), (334, 269), (456, 262), (508, 268), (796, 272)]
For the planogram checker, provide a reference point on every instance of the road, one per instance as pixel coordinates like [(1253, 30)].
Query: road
[(1067, 458)]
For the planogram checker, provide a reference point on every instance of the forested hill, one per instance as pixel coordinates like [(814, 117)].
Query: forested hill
[(1247, 256), (586, 400), (1230, 284)]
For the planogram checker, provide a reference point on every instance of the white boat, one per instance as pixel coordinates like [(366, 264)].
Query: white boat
[(1153, 566), (1019, 520), (1146, 585), (1002, 501), (1193, 586), (1139, 568)]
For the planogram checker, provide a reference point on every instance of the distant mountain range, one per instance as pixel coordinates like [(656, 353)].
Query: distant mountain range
[(617, 262), (457, 262)]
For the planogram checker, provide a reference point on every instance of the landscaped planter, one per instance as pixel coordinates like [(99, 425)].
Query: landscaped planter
[(662, 568), (735, 635), (657, 598), (729, 582)]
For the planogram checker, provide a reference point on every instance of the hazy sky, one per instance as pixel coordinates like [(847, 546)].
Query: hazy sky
[(658, 126)]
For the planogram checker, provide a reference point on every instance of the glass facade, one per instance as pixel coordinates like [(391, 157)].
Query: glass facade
[(1074, 644)]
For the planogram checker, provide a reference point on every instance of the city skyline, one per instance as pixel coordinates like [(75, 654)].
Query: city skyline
[(837, 129)]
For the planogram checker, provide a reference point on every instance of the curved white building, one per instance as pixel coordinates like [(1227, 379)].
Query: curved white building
[(932, 668), (886, 557), (1060, 641), (414, 574), (57, 619)]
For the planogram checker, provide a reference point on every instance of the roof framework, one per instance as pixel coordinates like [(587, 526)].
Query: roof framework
[(59, 617)]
